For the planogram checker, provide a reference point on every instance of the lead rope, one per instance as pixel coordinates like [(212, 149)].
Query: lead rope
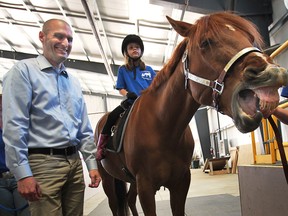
[(280, 146)]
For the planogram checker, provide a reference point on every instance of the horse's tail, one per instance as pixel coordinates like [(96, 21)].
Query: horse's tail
[(121, 194)]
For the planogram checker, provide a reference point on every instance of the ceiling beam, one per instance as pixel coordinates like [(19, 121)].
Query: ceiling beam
[(95, 30), (70, 23), (27, 5), (184, 9), (103, 32), (69, 63), (258, 11)]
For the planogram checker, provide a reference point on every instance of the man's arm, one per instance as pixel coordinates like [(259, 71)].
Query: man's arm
[(16, 104), (281, 114)]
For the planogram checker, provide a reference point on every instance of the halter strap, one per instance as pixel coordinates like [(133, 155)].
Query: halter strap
[(216, 85)]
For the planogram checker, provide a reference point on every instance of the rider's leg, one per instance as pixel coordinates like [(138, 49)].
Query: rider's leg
[(106, 132)]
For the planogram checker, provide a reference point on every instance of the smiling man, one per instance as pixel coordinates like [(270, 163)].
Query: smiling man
[(45, 125)]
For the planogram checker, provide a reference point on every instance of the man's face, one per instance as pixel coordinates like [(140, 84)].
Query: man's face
[(57, 42)]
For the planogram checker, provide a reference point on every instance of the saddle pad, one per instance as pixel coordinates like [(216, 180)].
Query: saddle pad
[(115, 142)]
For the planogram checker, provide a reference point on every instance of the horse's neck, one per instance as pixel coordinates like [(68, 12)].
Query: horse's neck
[(176, 105)]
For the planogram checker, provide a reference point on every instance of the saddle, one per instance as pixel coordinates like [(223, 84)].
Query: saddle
[(115, 142)]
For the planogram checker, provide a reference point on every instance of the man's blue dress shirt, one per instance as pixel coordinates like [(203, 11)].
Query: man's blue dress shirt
[(43, 108)]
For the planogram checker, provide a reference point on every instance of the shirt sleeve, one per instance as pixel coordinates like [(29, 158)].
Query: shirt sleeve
[(86, 137), (17, 94), (120, 84)]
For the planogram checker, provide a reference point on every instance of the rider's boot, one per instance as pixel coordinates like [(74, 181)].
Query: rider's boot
[(102, 141)]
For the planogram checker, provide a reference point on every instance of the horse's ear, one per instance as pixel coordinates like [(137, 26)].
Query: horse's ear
[(180, 27)]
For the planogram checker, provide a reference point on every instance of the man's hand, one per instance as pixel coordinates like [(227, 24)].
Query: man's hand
[(95, 178), (267, 113), (29, 188)]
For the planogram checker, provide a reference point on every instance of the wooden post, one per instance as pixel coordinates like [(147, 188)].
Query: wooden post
[(235, 161)]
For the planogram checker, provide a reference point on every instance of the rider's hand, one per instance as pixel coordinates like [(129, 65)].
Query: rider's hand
[(131, 95)]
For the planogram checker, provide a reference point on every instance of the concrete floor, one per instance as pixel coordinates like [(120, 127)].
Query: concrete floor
[(208, 195)]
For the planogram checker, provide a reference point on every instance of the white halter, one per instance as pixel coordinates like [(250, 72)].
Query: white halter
[(216, 85)]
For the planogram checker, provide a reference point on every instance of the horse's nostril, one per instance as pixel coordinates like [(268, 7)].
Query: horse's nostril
[(255, 74), (253, 70)]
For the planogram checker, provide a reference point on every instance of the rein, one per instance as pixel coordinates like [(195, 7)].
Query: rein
[(280, 147), (216, 85)]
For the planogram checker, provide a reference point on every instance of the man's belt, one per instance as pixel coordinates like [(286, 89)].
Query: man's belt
[(54, 151)]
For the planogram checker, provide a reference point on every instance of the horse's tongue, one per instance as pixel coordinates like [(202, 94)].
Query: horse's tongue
[(269, 97), (267, 94)]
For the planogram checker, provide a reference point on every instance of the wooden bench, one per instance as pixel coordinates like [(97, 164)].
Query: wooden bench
[(216, 165)]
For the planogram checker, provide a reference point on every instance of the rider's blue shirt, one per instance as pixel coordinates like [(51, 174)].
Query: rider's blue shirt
[(126, 79)]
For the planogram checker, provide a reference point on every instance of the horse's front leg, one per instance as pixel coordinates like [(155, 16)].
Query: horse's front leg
[(178, 194), (146, 193)]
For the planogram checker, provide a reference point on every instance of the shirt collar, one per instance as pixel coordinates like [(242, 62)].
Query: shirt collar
[(45, 64)]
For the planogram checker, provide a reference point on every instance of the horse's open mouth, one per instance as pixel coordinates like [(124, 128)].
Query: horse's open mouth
[(262, 99), (249, 103)]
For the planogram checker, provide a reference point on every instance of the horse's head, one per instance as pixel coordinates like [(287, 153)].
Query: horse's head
[(227, 71)]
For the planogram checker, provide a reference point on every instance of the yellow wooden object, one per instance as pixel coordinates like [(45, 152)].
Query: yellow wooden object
[(279, 50), (285, 144), (264, 159), (253, 147), (265, 136)]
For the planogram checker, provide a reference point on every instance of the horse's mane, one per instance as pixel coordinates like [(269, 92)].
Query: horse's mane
[(214, 25), (167, 70)]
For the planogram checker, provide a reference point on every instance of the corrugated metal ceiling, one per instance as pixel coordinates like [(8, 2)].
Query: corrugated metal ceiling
[(96, 39)]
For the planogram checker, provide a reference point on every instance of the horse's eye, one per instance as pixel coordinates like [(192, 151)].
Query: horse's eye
[(205, 43)]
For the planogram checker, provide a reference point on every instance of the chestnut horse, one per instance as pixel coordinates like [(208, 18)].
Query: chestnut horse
[(219, 63)]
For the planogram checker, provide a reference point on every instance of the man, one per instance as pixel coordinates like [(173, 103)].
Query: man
[(45, 124)]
